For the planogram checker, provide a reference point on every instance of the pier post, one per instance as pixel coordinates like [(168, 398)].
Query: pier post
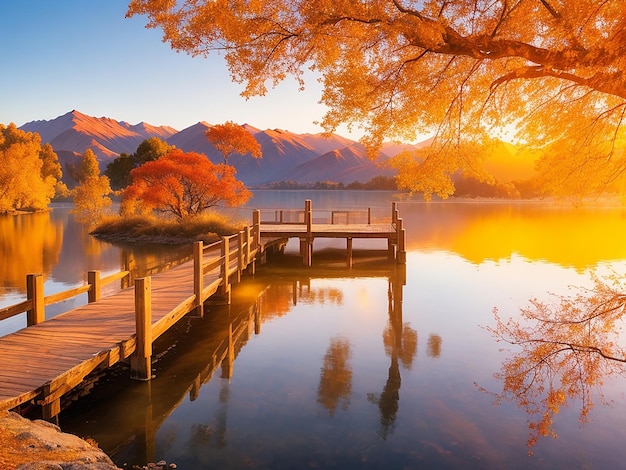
[(256, 222), (401, 254), (306, 244), (349, 250), (34, 293), (198, 277), (225, 267), (308, 216), (141, 360), (256, 229), (248, 242), (240, 254), (93, 279)]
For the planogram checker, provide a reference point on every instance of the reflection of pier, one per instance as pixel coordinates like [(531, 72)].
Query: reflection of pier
[(205, 350)]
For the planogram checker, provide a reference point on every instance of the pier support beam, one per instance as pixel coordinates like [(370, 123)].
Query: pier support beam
[(349, 250), (306, 251)]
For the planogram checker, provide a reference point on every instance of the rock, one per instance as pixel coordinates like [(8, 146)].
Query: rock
[(39, 445)]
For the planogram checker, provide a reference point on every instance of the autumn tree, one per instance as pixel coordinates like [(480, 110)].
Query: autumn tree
[(231, 138), (118, 171), (183, 184), (29, 172), (91, 196), (564, 351), (398, 69), (149, 150)]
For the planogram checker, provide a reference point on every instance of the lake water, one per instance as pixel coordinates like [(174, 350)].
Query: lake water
[(380, 366)]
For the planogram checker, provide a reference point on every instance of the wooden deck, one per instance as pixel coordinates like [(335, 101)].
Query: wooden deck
[(41, 363), (307, 228)]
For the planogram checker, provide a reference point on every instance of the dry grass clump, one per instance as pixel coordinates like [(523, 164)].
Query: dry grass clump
[(207, 227)]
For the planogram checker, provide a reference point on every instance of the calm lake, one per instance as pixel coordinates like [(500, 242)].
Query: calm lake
[(379, 366)]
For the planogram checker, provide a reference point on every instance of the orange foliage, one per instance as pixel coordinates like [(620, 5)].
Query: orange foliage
[(457, 70), (29, 172), (566, 350), (183, 184), (230, 138)]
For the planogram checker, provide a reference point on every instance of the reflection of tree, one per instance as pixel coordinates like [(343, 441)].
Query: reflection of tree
[(434, 345), (275, 301), (29, 243), (336, 378), (567, 349), (400, 342), (203, 435)]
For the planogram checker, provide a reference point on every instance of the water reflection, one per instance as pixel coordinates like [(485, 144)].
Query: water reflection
[(189, 356), (204, 351), (479, 231), (335, 386), (565, 351), (29, 243), (434, 345), (400, 342)]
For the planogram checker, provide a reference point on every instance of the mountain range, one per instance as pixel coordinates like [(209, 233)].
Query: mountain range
[(303, 158), (287, 156)]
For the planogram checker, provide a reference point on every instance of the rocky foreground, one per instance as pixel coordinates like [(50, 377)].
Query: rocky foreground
[(39, 445)]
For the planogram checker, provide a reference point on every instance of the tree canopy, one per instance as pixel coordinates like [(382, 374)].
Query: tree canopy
[(29, 172), (458, 70), (118, 171), (182, 185), (231, 138), (91, 196)]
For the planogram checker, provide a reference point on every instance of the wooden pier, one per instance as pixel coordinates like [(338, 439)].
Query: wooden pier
[(344, 224), (41, 363)]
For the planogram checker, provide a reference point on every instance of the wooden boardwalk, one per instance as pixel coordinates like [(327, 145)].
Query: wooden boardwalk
[(41, 363)]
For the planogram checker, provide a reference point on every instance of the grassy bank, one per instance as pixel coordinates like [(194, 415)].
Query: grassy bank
[(150, 229)]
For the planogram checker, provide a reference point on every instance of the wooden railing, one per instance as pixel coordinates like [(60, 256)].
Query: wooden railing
[(36, 301), (318, 216), (231, 256)]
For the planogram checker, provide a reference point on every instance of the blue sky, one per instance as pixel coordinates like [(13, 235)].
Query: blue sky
[(62, 55)]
